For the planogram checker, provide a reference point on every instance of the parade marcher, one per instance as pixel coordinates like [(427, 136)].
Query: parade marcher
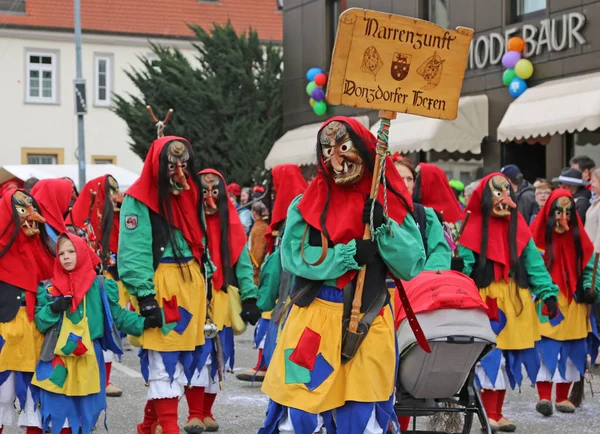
[(160, 261), (567, 250), (25, 260), (500, 255), (54, 196), (233, 268), (309, 383), (96, 215), (83, 307), (572, 180)]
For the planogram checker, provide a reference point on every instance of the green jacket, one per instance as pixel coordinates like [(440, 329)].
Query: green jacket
[(438, 251), (245, 276), (125, 320), (402, 250)]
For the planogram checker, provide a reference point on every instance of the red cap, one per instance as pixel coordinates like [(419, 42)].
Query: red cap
[(258, 189), (234, 189)]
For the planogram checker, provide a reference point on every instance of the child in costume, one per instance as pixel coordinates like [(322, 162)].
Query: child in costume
[(559, 233), (310, 383), (501, 257)]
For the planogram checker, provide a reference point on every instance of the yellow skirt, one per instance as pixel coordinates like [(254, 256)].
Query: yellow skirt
[(184, 292), (23, 343), (575, 325), (124, 296), (522, 328), (220, 309), (306, 371)]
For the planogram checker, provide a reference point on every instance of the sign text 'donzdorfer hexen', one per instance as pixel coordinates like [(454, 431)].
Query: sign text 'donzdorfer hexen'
[(401, 64)]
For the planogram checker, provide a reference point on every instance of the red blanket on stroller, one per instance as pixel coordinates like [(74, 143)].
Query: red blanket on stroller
[(432, 290)]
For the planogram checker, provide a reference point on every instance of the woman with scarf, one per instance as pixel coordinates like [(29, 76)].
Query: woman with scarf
[(84, 308), (567, 250), (310, 383), (501, 257)]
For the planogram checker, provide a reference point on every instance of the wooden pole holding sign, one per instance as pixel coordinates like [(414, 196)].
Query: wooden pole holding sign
[(395, 64)]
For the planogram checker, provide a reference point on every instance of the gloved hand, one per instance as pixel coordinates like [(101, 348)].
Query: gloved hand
[(153, 322), (589, 297), (552, 306), (457, 264), (60, 304), (149, 307), (250, 311), (366, 252), (378, 217)]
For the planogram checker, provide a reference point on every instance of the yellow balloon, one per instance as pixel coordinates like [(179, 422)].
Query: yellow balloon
[(524, 69), (312, 102)]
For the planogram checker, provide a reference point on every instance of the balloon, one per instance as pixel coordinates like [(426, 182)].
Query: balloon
[(312, 102), (508, 76), (510, 59), (321, 79), (524, 69), (515, 44), (310, 87), (317, 94), (517, 87), (312, 73), (320, 108)]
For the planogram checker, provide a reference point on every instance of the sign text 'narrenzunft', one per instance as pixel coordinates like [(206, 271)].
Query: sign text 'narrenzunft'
[(401, 64)]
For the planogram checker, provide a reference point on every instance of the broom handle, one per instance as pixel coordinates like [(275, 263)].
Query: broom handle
[(360, 282)]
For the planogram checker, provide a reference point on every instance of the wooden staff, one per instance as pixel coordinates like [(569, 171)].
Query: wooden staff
[(160, 125), (460, 232)]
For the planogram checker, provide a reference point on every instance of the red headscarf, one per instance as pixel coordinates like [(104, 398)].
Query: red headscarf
[(27, 262), (288, 183), (498, 249), (436, 192), (564, 269), (346, 204), (237, 236), (81, 210), (6, 187), (53, 196), (77, 282), (184, 206)]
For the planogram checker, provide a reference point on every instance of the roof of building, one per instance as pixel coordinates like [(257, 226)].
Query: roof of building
[(167, 18)]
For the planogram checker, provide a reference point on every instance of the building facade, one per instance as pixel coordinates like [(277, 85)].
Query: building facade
[(37, 64), (562, 42)]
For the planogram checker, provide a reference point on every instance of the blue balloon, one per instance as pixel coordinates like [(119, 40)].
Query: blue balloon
[(312, 72), (517, 87)]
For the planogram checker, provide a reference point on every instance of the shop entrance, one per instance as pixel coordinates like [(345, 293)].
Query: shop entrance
[(531, 159)]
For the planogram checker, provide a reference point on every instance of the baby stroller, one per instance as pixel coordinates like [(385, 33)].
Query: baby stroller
[(455, 322)]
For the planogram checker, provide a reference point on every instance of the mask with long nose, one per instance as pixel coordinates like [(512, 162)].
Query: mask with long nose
[(340, 156), (116, 197), (29, 217), (178, 157), (561, 208), (210, 193), (501, 200)]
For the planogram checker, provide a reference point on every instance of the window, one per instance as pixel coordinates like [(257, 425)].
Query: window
[(525, 9), (42, 155), (12, 6), (103, 80), (42, 70), (279, 5), (437, 12), (104, 159)]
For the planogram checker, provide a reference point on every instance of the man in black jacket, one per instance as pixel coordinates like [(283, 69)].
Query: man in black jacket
[(524, 191), (572, 180)]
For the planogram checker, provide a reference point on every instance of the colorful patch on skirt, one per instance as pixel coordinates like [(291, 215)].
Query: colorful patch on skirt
[(74, 346), (54, 370)]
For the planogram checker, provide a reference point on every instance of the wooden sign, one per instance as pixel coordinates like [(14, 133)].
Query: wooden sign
[(390, 62)]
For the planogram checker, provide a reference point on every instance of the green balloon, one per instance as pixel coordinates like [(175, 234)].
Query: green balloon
[(310, 87), (508, 76), (320, 108)]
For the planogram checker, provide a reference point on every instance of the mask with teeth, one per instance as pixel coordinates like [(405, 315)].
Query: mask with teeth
[(561, 210), (501, 200), (178, 157), (340, 156), (114, 194), (210, 193), (29, 217)]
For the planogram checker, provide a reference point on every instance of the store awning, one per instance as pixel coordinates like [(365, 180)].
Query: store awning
[(555, 107), (297, 146), (47, 171), (410, 133)]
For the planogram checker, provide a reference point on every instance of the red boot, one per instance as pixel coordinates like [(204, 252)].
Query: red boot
[(544, 405), (562, 398), (111, 389), (33, 430), (195, 400), (490, 403), (166, 410), (150, 419), (404, 422), (208, 419), (260, 361), (65, 431), (505, 424)]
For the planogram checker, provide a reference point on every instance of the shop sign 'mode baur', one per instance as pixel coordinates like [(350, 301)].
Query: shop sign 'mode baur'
[(400, 64)]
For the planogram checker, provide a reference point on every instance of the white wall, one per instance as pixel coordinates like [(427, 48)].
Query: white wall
[(55, 125)]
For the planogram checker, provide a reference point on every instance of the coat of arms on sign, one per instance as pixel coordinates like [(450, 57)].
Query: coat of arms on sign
[(432, 70), (400, 66), (372, 62)]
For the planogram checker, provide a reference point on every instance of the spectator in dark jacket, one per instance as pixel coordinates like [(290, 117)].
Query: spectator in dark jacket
[(584, 164), (524, 191), (571, 180)]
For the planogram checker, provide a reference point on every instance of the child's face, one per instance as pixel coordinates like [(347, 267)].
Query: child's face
[(67, 255)]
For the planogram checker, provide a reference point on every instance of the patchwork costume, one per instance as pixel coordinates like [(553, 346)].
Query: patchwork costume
[(501, 257), (161, 250), (567, 250), (309, 383)]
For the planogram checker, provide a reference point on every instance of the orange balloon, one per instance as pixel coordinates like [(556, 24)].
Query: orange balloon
[(515, 44)]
